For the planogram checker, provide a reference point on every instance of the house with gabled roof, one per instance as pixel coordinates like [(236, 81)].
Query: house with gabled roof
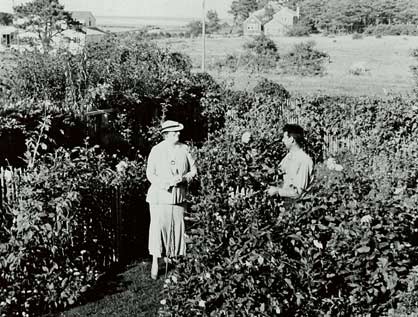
[(281, 22), (254, 24), (86, 18)]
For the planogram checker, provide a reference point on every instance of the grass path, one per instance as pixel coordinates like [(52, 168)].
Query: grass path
[(129, 292)]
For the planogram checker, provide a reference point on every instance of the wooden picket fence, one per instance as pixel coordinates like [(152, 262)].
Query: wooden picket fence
[(10, 189)]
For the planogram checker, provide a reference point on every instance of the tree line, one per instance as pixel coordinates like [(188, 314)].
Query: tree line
[(338, 15)]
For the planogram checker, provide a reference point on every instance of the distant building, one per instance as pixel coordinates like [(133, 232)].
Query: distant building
[(282, 21), (86, 18), (272, 20), (8, 35), (254, 24), (75, 40)]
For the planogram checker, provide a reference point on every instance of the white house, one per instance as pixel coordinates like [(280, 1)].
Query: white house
[(8, 35), (86, 18), (76, 40), (282, 21)]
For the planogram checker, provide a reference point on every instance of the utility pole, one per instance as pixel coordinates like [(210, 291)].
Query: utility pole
[(203, 35)]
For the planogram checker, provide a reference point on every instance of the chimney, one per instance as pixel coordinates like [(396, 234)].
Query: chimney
[(298, 11)]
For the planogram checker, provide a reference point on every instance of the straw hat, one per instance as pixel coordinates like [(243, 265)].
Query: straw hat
[(171, 126)]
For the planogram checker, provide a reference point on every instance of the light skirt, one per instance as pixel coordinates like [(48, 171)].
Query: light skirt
[(166, 232)]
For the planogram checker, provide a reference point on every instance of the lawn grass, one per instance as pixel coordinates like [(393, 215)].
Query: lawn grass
[(387, 58), (129, 292)]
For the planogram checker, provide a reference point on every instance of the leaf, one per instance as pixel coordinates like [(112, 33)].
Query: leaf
[(318, 244), (289, 282), (363, 249)]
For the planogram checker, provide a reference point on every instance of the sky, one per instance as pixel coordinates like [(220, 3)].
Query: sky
[(151, 8)]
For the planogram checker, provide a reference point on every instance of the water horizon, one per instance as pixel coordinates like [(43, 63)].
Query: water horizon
[(140, 21)]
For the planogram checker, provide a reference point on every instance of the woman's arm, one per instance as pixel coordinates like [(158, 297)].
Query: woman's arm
[(151, 172)]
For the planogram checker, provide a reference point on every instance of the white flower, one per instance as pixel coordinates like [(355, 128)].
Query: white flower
[(332, 165), (202, 303), (330, 162), (366, 219), (246, 137), (122, 165), (163, 302), (207, 275)]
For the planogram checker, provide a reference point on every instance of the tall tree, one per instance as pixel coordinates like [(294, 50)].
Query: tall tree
[(46, 18), (241, 9), (213, 21)]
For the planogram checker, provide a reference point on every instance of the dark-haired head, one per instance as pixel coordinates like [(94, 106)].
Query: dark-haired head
[(296, 132)]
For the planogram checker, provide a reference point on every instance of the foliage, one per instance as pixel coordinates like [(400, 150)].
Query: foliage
[(348, 247), (355, 16), (45, 18), (261, 45), (357, 36), (61, 234), (241, 9), (6, 18), (304, 60), (195, 28), (213, 22), (391, 29), (298, 30), (261, 55), (272, 89), (140, 81)]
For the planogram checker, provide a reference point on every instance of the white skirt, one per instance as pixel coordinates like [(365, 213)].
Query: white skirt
[(166, 232)]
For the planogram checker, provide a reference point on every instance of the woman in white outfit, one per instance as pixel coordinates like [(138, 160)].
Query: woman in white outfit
[(170, 168)]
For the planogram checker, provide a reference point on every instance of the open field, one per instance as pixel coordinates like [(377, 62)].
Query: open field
[(387, 58)]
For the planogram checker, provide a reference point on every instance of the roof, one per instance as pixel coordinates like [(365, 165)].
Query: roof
[(7, 29), (81, 15), (261, 13), (287, 11), (93, 31)]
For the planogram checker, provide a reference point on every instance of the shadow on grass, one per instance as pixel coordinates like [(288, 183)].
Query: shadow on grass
[(127, 291)]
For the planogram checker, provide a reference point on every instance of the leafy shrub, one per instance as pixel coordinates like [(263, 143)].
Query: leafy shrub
[(391, 29), (261, 45), (61, 235), (357, 36), (346, 248), (304, 60), (307, 259), (270, 88), (298, 30), (231, 63)]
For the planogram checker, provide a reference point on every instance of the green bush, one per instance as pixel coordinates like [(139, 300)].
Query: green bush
[(304, 60)]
